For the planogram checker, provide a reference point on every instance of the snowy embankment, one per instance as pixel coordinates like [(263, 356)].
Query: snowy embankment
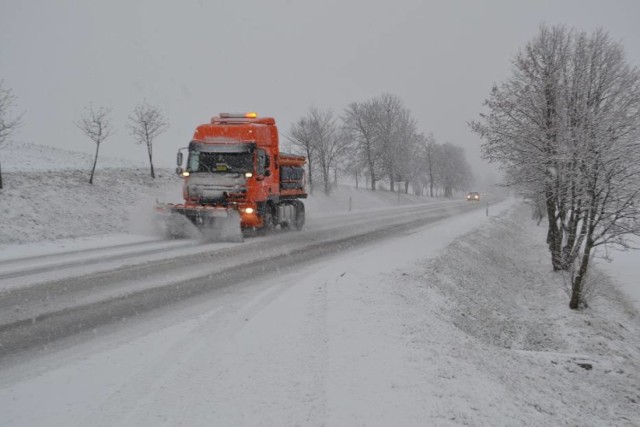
[(459, 323), (50, 205), (47, 195)]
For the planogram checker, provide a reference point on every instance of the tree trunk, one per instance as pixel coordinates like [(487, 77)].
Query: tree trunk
[(310, 174), (95, 161), (326, 176), (373, 181), (0, 177), (153, 175), (356, 180), (578, 282), (554, 238)]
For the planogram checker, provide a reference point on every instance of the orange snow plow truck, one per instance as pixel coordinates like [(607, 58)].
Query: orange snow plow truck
[(236, 179)]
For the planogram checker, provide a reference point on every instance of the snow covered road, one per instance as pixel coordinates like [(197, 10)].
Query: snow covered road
[(46, 298)]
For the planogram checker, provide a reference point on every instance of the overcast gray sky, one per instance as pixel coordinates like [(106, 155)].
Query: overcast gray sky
[(197, 58)]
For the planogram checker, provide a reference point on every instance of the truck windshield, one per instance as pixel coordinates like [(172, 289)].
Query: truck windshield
[(220, 162)]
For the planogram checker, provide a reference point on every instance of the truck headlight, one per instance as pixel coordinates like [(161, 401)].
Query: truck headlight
[(248, 210)]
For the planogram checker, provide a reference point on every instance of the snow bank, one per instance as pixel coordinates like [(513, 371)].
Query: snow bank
[(494, 319), (59, 204)]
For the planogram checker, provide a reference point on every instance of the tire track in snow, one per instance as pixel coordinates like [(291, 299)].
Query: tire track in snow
[(207, 344), (16, 268)]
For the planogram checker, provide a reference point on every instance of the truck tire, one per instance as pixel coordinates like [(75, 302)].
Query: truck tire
[(268, 223), (299, 221)]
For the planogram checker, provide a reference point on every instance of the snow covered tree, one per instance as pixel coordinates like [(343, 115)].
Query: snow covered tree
[(145, 124), (605, 134), (8, 123), (96, 124), (566, 128), (455, 172), (523, 128)]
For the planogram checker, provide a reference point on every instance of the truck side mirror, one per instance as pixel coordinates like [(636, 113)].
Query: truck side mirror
[(179, 170), (179, 158), (267, 172)]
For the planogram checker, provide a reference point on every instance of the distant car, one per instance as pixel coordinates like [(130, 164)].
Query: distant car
[(473, 196)]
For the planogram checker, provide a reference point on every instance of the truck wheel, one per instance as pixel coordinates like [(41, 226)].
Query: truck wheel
[(267, 219), (299, 221)]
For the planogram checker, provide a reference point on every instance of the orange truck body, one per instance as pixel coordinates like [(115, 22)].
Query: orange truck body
[(264, 186)]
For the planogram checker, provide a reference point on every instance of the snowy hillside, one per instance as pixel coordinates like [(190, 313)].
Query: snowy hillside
[(24, 157), (60, 204)]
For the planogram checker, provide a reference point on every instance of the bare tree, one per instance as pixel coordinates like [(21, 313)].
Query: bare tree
[(387, 136), (96, 124), (145, 124), (352, 163), (323, 142), (328, 142), (360, 121), (301, 136), (8, 123), (389, 110), (430, 162), (406, 149)]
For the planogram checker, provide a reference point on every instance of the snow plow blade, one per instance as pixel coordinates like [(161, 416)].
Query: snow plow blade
[(223, 229), (207, 224)]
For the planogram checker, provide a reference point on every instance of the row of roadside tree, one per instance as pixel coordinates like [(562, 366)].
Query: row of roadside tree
[(378, 140)]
